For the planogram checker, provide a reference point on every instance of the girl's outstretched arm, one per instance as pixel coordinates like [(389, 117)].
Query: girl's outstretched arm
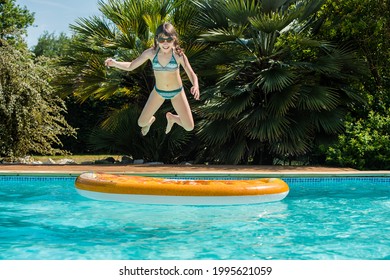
[(129, 66)]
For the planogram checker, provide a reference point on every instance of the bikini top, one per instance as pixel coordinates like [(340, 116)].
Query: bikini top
[(171, 66)]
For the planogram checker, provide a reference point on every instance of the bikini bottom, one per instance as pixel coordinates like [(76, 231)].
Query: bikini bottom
[(168, 94)]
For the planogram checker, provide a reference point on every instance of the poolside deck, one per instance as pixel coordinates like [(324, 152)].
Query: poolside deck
[(149, 169)]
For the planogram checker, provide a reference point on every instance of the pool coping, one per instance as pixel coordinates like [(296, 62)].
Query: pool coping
[(187, 170)]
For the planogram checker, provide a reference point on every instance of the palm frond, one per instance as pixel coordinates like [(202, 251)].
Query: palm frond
[(277, 79), (210, 15), (235, 153), (272, 22), (318, 98), (268, 6), (310, 7), (214, 132), (308, 42), (265, 43), (298, 140), (253, 117), (95, 29), (291, 146), (220, 35), (194, 50), (239, 11), (216, 61), (272, 129), (233, 102), (230, 75), (329, 121), (281, 102)]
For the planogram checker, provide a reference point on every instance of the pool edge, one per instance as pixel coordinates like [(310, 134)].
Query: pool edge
[(255, 174)]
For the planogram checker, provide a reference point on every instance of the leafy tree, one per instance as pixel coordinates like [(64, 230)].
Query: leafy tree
[(364, 25), (80, 116), (30, 113), (50, 45), (14, 21), (277, 89)]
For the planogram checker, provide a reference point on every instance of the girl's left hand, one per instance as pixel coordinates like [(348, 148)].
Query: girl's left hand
[(195, 92)]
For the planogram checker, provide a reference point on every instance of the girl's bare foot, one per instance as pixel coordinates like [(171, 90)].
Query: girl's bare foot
[(170, 122), (145, 129)]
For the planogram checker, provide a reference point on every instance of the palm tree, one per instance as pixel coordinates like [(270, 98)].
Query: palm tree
[(277, 89), (124, 31)]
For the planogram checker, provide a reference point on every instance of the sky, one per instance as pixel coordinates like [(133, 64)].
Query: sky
[(55, 16)]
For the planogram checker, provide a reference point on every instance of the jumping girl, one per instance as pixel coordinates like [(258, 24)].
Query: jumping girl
[(166, 57)]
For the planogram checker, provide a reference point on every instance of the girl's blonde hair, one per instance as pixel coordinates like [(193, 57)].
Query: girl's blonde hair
[(168, 30)]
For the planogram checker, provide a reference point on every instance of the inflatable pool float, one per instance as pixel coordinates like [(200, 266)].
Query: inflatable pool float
[(152, 190)]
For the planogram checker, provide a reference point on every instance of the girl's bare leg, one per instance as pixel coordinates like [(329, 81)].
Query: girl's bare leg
[(184, 115), (145, 129), (171, 120), (147, 117)]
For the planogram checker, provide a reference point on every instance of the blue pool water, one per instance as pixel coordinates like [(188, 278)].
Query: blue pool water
[(321, 218)]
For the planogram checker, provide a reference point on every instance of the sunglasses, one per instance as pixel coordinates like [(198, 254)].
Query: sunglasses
[(161, 39)]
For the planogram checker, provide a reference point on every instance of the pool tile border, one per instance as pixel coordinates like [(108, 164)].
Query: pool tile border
[(289, 179)]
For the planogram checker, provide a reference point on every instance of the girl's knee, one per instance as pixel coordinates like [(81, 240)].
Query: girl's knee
[(189, 127), (142, 122)]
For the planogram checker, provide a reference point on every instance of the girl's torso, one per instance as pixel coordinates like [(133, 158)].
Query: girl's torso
[(166, 70)]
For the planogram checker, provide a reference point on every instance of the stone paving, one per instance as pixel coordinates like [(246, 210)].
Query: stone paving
[(75, 169)]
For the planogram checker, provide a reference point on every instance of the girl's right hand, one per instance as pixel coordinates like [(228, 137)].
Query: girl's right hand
[(109, 62)]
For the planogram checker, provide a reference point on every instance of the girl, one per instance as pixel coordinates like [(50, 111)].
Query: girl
[(166, 57)]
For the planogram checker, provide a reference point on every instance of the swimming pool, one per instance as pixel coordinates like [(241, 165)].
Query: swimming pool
[(322, 218)]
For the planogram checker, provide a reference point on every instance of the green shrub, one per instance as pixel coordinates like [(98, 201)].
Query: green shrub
[(364, 145), (31, 114)]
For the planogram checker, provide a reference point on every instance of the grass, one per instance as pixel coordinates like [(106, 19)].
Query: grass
[(77, 158)]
